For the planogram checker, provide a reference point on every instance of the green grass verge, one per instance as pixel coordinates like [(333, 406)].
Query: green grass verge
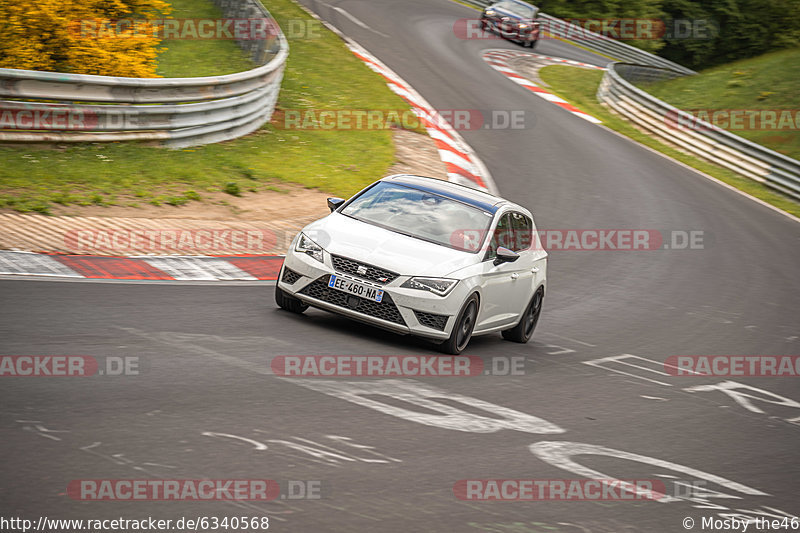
[(187, 58), (579, 86), (767, 82), (321, 73)]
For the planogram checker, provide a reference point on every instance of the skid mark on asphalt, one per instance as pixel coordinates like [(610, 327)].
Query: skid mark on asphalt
[(658, 398), (40, 430), (314, 451), (259, 446)]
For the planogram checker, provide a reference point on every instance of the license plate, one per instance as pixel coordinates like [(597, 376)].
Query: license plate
[(355, 288)]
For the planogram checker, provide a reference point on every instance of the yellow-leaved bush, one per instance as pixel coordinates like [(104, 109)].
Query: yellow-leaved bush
[(81, 36)]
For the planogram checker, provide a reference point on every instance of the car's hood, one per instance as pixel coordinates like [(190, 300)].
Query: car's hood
[(345, 236)]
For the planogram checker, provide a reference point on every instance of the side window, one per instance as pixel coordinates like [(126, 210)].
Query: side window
[(502, 236), (522, 228)]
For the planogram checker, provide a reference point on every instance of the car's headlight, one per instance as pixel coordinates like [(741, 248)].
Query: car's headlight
[(523, 26), (440, 286), (489, 12), (309, 247)]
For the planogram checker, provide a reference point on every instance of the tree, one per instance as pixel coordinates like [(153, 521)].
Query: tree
[(62, 36), (745, 28), (699, 33), (611, 10)]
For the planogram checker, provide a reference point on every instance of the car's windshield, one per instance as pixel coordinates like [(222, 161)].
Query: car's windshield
[(421, 214), (518, 9)]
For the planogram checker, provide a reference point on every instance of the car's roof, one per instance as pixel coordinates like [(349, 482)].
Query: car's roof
[(518, 2), (462, 193), (521, 2)]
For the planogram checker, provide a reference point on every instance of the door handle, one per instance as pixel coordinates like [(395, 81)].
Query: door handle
[(535, 270), (514, 275)]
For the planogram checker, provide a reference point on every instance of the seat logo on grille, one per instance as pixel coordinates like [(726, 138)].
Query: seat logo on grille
[(361, 270)]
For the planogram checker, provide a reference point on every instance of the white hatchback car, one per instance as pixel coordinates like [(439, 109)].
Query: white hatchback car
[(421, 256)]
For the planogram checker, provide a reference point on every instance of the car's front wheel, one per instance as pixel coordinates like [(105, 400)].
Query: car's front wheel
[(462, 330), (523, 331), (287, 302)]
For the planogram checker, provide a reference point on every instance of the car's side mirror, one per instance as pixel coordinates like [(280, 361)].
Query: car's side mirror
[(334, 203), (504, 255)]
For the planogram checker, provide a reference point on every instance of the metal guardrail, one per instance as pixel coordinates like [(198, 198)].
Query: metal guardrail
[(596, 42), (176, 112), (673, 125), (697, 137)]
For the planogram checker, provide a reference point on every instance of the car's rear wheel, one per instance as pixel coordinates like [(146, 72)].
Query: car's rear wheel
[(462, 330), (523, 331), (287, 302)]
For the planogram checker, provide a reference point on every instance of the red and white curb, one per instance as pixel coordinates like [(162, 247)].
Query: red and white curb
[(499, 60), (153, 268), (463, 165)]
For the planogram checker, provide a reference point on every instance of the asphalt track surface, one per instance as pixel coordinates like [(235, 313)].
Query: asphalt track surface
[(205, 351)]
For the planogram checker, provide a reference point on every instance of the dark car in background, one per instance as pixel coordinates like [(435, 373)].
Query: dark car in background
[(513, 20)]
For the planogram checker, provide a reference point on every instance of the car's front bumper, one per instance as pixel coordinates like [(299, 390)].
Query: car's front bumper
[(512, 31), (403, 310)]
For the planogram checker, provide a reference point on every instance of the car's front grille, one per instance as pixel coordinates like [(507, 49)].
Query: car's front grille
[(385, 310), (290, 276), (363, 270), (431, 320)]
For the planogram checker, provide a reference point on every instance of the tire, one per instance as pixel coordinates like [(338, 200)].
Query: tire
[(287, 302), (523, 331), (462, 330), (531, 44)]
